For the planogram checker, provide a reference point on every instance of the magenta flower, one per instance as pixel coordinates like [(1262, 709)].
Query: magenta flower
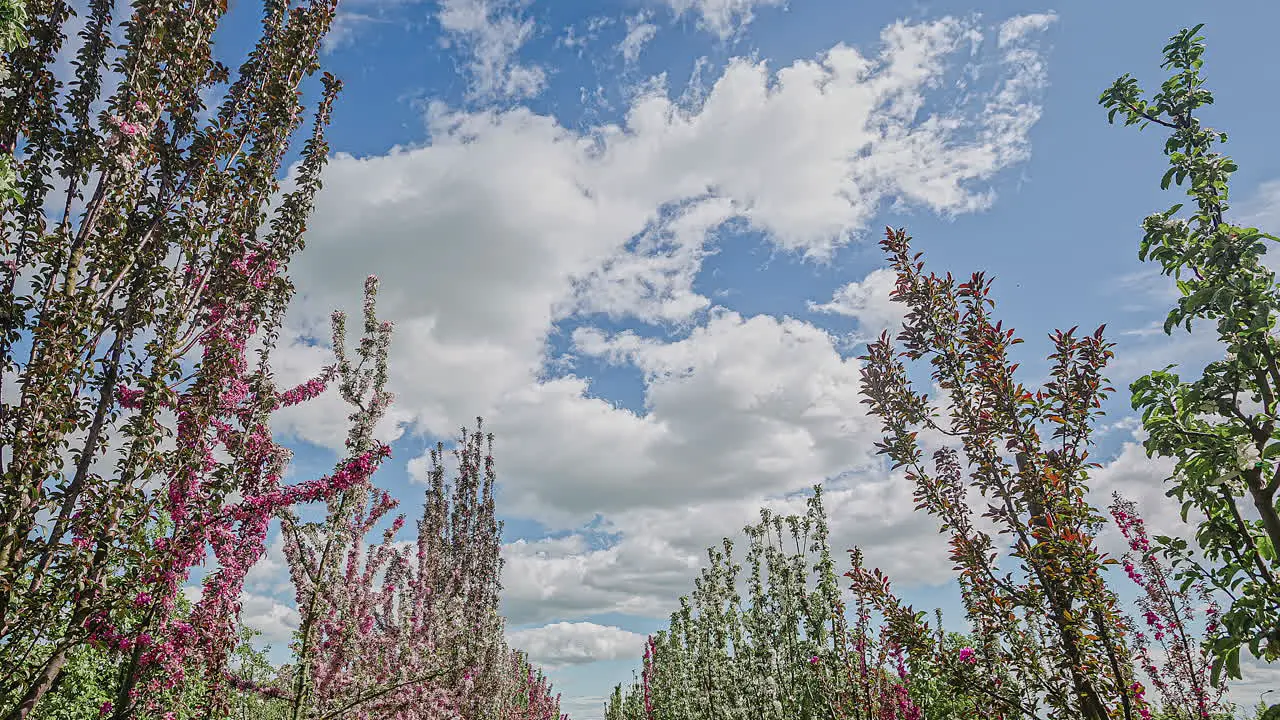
[(967, 656)]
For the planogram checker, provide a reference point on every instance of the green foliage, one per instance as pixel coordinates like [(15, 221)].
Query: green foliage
[(1220, 427), (92, 677), (940, 694), (774, 643), (1048, 627), (13, 20), (87, 682)]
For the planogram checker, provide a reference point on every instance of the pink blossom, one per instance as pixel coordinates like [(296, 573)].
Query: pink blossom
[(129, 398)]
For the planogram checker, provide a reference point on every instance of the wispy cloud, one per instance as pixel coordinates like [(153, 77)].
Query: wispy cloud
[(724, 18), (1018, 27), (639, 32), (492, 33)]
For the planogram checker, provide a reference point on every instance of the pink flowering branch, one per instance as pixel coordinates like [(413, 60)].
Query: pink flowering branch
[(1184, 677)]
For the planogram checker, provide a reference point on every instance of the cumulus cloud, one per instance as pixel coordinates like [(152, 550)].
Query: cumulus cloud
[(481, 257), (867, 301), (509, 227), (658, 551), (493, 31), (1142, 480), (274, 619), (748, 406), (552, 579), (269, 576), (560, 644)]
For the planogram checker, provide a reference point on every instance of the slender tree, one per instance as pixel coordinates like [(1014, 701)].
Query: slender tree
[(785, 650), (1220, 428), (1054, 623), (13, 20), (131, 297)]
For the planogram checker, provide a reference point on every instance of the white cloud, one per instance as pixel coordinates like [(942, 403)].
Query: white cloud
[(578, 40), (270, 574), (509, 223), (1258, 678), (639, 32), (867, 301), (547, 580), (560, 644), (1018, 27), (747, 406), (652, 280), (724, 18), (325, 419), (274, 619), (1142, 480), (480, 256), (494, 31), (660, 550), (345, 28), (1262, 210)]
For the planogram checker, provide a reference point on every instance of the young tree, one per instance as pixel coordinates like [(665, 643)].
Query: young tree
[(1055, 626), (784, 651), (13, 19), (137, 442), (99, 317), (402, 632), (1187, 689), (1221, 428)]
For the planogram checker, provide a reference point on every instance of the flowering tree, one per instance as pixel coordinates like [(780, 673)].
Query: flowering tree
[(1221, 428), (784, 651), (385, 633), (13, 18), (1054, 625), (102, 315), (134, 423), (525, 693), (402, 632), (1166, 611)]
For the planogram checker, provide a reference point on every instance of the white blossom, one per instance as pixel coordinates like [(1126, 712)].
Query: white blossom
[(1246, 453)]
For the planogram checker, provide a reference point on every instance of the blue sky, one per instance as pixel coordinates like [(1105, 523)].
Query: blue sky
[(638, 237)]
